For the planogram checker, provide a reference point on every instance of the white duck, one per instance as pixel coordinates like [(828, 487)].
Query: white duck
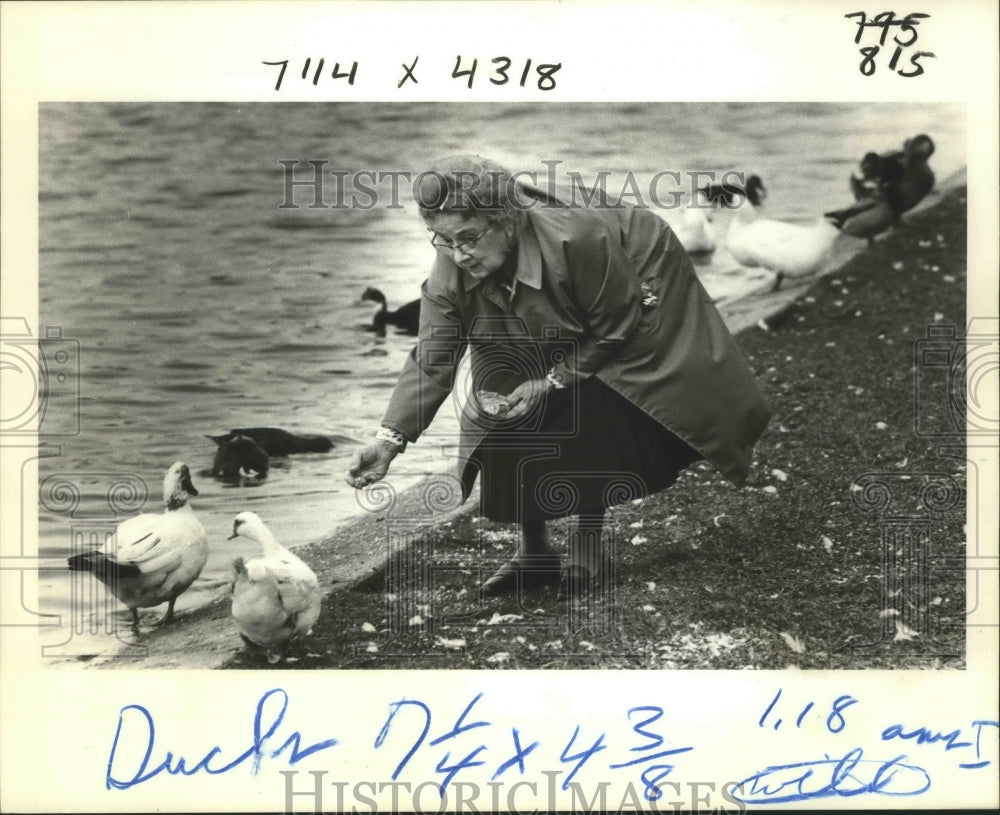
[(153, 558), (694, 227), (276, 598), (787, 249)]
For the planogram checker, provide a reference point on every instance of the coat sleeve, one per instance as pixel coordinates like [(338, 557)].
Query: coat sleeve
[(428, 374), (607, 291)]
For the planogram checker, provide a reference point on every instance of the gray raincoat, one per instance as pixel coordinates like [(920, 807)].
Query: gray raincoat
[(606, 292)]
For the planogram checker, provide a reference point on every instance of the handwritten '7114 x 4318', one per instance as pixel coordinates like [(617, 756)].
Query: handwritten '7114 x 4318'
[(498, 73)]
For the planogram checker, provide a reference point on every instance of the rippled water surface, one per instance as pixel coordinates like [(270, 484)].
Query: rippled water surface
[(201, 304)]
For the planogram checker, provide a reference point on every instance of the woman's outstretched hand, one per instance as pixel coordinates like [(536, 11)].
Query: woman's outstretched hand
[(526, 396), (371, 463)]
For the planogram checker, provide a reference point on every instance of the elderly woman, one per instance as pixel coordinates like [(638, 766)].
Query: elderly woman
[(600, 367)]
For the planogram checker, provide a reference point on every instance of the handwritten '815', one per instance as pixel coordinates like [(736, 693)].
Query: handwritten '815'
[(886, 21)]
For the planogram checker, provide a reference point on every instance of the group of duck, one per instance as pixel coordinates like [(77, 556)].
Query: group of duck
[(154, 558), (889, 184)]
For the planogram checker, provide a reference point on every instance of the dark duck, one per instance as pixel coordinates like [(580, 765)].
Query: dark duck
[(274, 441), (405, 318), (890, 184), (238, 455)]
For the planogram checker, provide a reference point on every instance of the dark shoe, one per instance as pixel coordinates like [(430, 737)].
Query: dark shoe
[(530, 572)]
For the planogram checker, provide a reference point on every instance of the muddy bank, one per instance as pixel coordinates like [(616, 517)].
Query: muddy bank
[(723, 571)]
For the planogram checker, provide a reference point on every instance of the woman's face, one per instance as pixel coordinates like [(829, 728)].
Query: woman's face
[(481, 257)]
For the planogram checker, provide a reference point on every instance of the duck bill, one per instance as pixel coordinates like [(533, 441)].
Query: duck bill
[(186, 484)]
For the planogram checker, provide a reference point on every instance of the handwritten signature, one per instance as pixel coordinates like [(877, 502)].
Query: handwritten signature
[(136, 723), (828, 777)]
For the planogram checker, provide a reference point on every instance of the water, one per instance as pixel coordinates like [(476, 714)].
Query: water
[(201, 305)]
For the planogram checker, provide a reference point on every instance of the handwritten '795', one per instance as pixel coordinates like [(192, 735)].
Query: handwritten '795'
[(886, 21)]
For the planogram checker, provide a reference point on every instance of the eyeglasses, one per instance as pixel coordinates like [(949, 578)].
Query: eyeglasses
[(466, 246)]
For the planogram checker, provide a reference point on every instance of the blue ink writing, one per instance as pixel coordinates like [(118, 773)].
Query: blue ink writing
[(137, 722), (579, 758), (518, 758), (460, 727), (923, 735), (394, 708), (828, 777), (835, 721)]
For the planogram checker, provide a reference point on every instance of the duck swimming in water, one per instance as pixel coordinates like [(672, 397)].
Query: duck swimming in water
[(238, 455), (406, 318), (787, 249), (278, 442)]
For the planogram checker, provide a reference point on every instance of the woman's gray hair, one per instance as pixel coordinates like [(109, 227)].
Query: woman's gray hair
[(469, 185)]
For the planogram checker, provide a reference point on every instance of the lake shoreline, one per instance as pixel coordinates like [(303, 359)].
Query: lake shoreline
[(358, 551)]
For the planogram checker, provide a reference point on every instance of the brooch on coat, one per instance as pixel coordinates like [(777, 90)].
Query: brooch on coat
[(648, 298)]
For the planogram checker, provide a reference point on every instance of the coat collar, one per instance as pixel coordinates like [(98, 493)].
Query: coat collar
[(529, 262)]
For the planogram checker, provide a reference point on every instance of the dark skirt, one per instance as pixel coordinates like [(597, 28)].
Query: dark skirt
[(583, 450)]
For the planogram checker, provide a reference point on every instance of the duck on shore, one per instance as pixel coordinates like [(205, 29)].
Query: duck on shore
[(891, 184), (694, 227), (276, 597), (406, 318), (787, 249), (152, 558)]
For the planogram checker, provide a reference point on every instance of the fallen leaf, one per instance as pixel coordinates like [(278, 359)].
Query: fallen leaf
[(904, 632), (445, 643), (888, 612), (770, 490), (372, 648), (638, 540), (827, 544), (652, 586), (781, 475), (636, 525), (881, 426), (498, 658), (368, 628), (498, 618), (415, 620), (793, 643)]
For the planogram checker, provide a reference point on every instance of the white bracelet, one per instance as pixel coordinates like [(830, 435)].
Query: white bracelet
[(555, 380), (388, 434)]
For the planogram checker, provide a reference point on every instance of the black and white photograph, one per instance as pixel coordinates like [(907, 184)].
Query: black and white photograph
[(297, 308), (419, 379)]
